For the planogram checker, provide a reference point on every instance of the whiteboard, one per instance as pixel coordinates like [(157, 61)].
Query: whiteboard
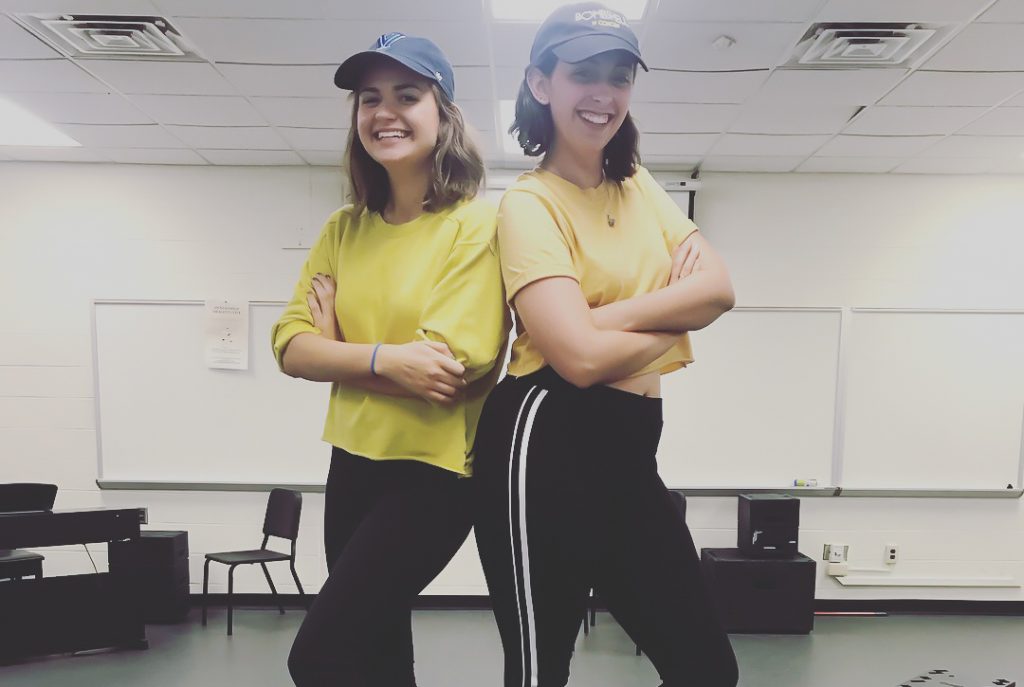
[(756, 407), (163, 416), (935, 399), (881, 399)]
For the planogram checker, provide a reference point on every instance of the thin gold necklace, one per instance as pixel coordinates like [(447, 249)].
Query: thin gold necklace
[(608, 201)]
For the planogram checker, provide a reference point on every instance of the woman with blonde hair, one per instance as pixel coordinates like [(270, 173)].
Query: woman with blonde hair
[(400, 306)]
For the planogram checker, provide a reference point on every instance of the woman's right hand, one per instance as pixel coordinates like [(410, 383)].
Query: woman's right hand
[(425, 368)]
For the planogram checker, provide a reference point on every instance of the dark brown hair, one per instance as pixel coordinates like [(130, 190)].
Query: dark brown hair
[(535, 130), (458, 167)]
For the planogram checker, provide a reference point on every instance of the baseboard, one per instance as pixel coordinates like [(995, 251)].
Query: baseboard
[(900, 606)]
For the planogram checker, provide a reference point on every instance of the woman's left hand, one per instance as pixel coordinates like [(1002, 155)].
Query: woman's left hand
[(685, 259), (321, 306)]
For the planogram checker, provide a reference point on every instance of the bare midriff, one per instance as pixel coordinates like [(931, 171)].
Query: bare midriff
[(644, 385)]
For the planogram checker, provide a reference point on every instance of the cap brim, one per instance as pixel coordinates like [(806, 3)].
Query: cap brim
[(585, 47), (352, 69)]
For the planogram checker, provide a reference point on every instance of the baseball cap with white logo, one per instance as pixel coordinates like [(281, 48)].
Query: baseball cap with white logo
[(418, 54), (577, 32)]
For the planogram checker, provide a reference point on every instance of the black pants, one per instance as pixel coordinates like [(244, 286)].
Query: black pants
[(567, 498), (389, 528)]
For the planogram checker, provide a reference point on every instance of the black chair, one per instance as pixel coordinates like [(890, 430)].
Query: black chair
[(680, 502), (16, 497), (282, 520)]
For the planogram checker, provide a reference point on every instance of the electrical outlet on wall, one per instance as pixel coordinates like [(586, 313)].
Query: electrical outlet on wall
[(891, 554), (836, 553)]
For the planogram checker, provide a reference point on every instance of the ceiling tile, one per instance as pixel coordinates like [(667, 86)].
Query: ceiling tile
[(278, 41), (912, 121), (276, 80), (1004, 11), (322, 41), (849, 164), (737, 10), (209, 110), (252, 157), (676, 144), (1016, 102), (682, 118), (54, 154), (122, 136), (983, 47), (315, 139), (80, 6), (230, 137), (939, 165), (738, 163), (17, 43), (149, 156), (478, 113), (835, 86), (322, 158), (319, 9), (659, 86), (676, 45), (1003, 121), (49, 76), (167, 78), (876, 146), (473, 83), (792, 118), (509, 79), (755, 145), (82, 108), (902, 11), (511, 43), (977, 147), (323, 113), (1007, 166), (955, 88)]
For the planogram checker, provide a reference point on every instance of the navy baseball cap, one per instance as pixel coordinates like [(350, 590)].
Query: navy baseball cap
[(418, 54), (577, 32)]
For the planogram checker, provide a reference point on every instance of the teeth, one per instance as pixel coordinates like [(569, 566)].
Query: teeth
[(390, 134), (595, 118)]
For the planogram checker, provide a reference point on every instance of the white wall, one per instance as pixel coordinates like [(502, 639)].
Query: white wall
[(70, 233)]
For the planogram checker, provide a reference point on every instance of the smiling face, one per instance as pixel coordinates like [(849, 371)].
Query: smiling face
[(397, 117), (589, 100)]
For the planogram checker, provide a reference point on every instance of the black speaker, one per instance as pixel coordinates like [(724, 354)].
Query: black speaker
[(156, 567), (760, 595), (769, 525)]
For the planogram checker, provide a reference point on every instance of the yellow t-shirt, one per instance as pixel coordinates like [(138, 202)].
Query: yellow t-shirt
[(435, 278), (550, 227)]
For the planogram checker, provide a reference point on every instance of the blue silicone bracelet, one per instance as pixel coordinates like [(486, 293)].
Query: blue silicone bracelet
[(373, 359)]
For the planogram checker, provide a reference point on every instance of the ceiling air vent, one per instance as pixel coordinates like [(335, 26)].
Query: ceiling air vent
[(865, 45), (110, 36)]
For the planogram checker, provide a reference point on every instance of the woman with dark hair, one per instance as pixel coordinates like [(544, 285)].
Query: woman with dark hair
[(399, 306), (606, 275)]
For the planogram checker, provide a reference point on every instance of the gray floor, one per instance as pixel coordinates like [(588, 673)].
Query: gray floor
[(460, 649)]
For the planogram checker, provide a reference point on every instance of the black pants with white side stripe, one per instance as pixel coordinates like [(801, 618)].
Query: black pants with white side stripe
[(567, 498)]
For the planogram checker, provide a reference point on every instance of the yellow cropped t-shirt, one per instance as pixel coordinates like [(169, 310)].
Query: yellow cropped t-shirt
[(550, 227)]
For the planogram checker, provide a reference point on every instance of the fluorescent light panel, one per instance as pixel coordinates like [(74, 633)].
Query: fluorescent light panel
[(20, 127), (538, 10)]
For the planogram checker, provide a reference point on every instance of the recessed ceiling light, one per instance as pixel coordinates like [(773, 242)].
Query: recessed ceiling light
[(19, 127), (538, 10)]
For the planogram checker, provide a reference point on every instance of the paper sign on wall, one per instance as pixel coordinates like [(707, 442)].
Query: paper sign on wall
[(227, 335)]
